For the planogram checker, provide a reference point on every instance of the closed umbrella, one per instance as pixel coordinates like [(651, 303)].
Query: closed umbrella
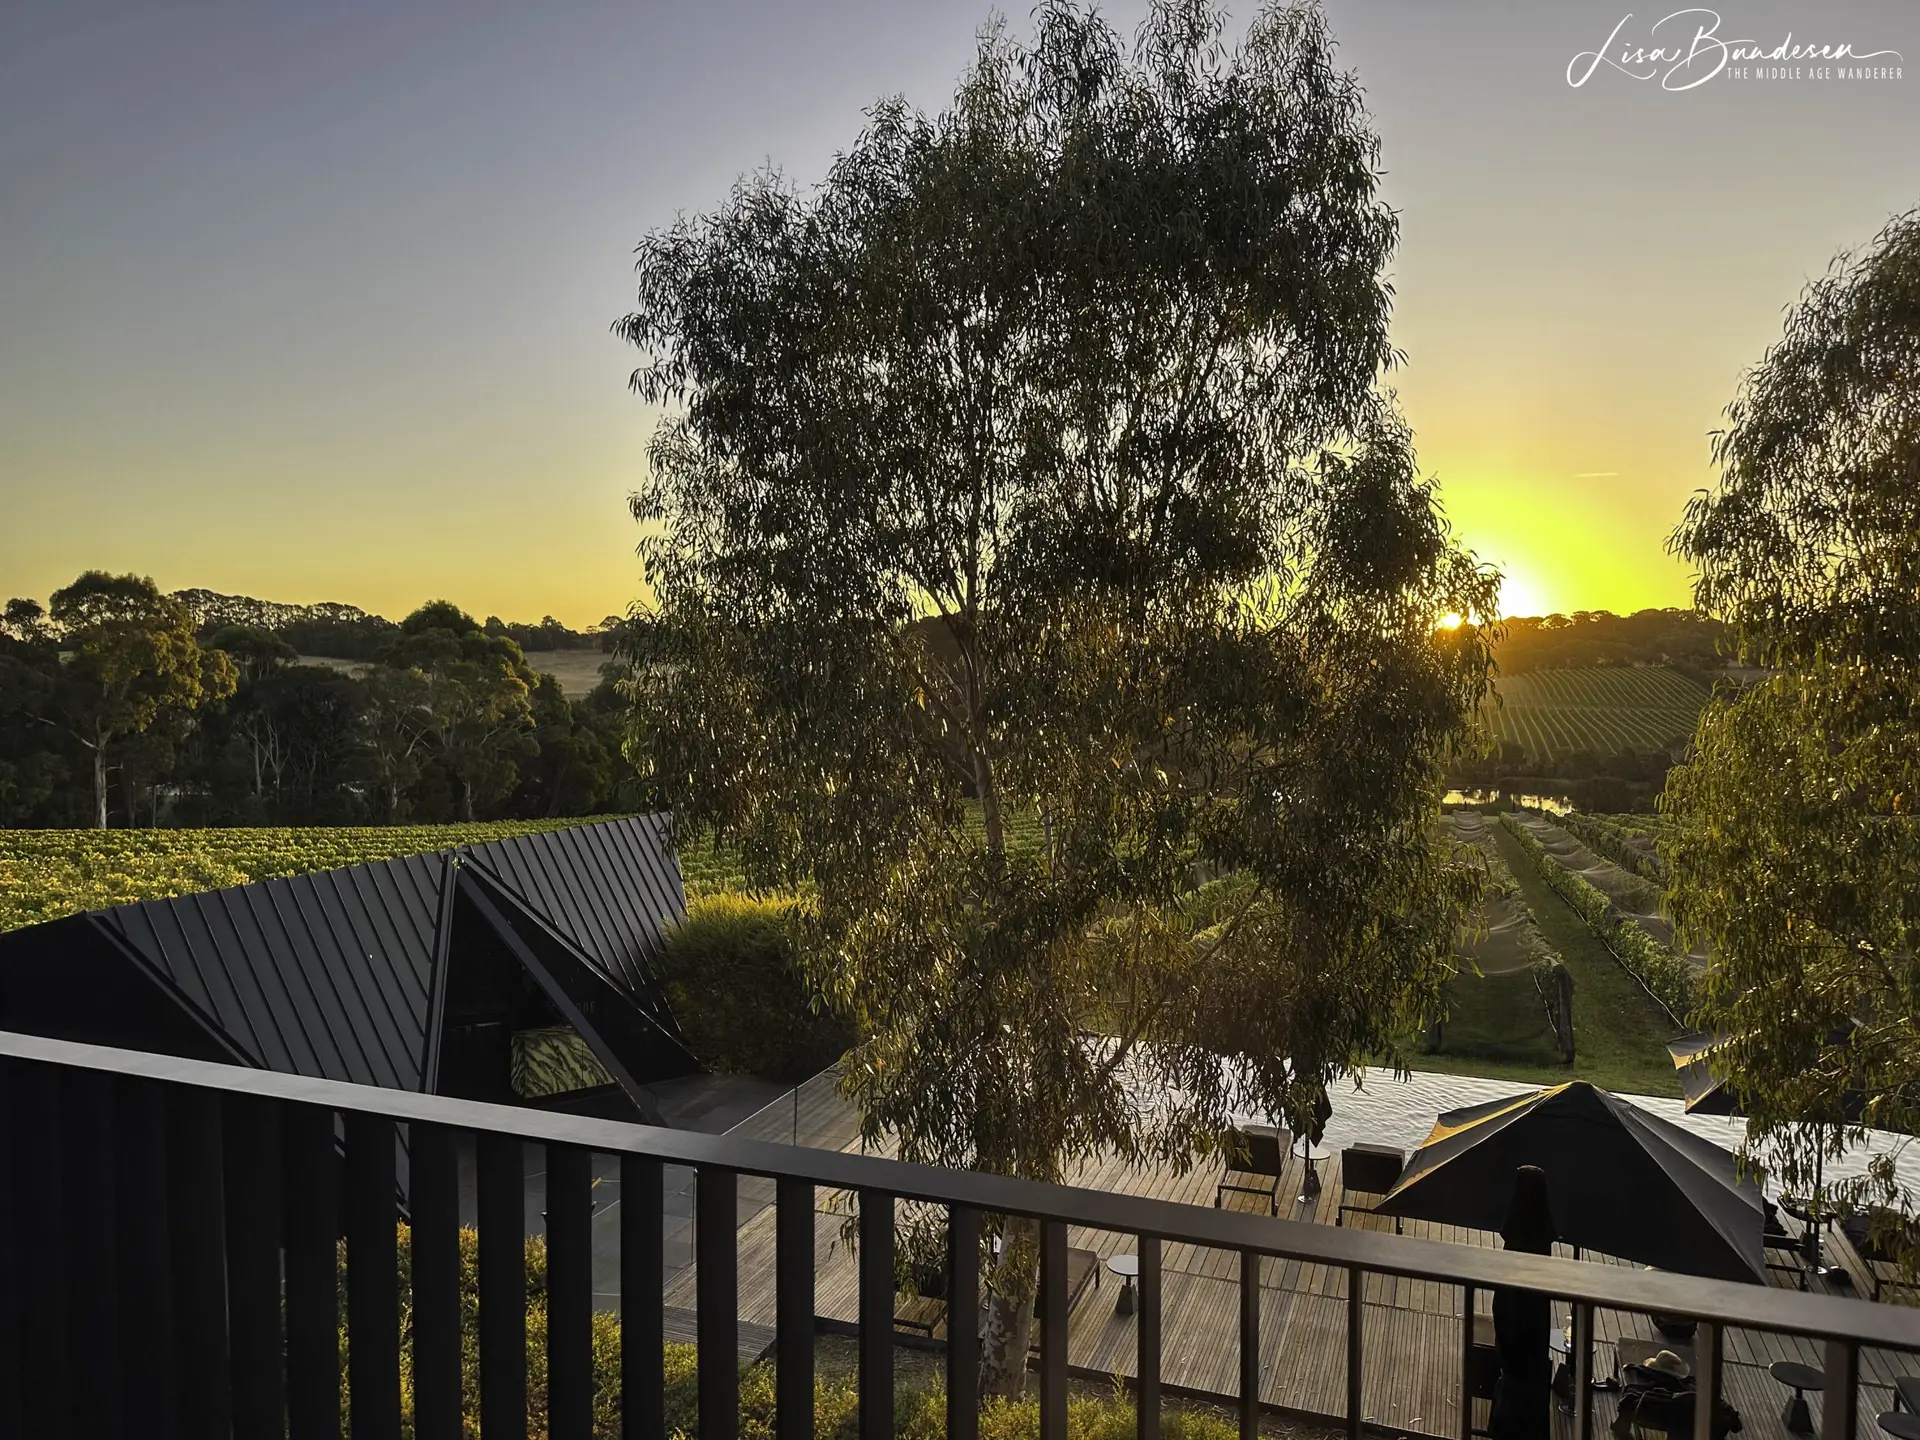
[(1621, 1181)]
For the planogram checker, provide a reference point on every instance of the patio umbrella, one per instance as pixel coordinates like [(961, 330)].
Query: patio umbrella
[(1622, 1181), (1709, 1094)]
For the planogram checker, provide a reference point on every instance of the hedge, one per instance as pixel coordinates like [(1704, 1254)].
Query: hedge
[(1610, 842), (919, 1406), (1667, 976), (737, 992)]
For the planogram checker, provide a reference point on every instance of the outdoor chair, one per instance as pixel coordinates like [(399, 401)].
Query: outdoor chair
[(1776, 1238), (1368, 1170), (1483, 1370), (1255, 1160), (1882, 1261), (1082, 1266), (926, 1310)]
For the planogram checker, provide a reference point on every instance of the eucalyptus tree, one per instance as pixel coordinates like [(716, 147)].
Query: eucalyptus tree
[(129, 664), (1036, 467), (1795, 853)]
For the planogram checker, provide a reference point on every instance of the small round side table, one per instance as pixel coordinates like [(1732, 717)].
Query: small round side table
[(1799, 1379)]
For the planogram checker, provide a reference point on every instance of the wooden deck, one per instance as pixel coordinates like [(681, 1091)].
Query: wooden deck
[(1412, 1335)]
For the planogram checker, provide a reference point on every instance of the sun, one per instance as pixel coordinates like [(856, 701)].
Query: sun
[(1450, 621), (1519, 595)]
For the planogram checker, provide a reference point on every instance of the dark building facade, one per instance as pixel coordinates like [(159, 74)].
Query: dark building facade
[(413, 974)]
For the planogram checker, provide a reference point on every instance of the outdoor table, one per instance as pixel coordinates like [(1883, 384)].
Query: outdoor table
[(1309, 1152), (1814, 1218), (1126, 1266), (1799, 1379)]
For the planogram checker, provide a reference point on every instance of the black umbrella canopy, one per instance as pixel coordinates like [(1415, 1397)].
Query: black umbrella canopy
[(1622, 1181), (1709, 1094), (1706, 1093)]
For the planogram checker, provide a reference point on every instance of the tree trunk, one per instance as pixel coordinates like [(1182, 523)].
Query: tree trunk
[(466, 799), (988, 788), (1009, 1326), (100, 784)]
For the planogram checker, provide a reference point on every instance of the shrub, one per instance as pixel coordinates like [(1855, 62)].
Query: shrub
[(920, 1407), (738, 995)]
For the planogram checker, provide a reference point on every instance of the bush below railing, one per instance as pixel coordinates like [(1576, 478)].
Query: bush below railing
[(920, 1405)]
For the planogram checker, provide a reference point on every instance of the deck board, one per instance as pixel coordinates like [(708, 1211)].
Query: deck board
[(1411, 1327)]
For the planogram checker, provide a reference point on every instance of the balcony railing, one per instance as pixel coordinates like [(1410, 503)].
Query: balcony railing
[(169, 1240)]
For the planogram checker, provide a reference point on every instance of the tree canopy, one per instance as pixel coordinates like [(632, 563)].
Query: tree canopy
[(1795, 852), (1039, 460), (128, 660)]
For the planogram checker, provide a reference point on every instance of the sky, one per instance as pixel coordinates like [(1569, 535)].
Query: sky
[(312, 302)]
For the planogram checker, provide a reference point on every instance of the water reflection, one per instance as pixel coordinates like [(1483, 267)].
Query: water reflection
[(1552, 804)]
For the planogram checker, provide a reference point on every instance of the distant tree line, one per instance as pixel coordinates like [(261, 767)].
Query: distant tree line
[(121, 705), (1688, 641), (345, 632)]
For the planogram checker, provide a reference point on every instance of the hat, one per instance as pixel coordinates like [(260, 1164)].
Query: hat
[(1668, 1363)]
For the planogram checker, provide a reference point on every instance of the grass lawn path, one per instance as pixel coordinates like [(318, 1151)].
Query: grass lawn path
[(1619, 1035)]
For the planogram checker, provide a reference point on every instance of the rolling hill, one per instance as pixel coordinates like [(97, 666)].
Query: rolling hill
[(1604, 709)]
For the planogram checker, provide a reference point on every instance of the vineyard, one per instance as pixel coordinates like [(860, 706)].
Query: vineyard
[(1604, 709), (707, 867), (45, 874)]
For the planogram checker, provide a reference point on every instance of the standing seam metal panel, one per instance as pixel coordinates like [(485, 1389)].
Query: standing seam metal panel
[(629, 867), (378, 968), (138, 927), (264, 959), (541, 878), (325, 979)]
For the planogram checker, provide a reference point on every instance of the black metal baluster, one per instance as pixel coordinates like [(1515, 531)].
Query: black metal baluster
[(1581, 1358), (1467, 1365), (140, 1229), (1053, 1330), (1707, 1345), (642, 1287), (1840, 1396), (570, 1292), (1356, 1324), (12, 1282), (1147, 1343), (963, 1323), (373, 1280), (717, 1296), (793, 1299), (311, 1181), (876, 1315), (253, 1266), (503, 1289), (1249, 1345), (40, 1304), (87, 1158), (434, 1167), (196, 1205)]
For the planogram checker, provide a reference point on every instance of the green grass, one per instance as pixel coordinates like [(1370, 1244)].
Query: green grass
[(1620, 1037), (1604, 709), (1498, 1019)]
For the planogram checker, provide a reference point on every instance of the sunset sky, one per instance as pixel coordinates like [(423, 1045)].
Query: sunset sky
[(311, 301)]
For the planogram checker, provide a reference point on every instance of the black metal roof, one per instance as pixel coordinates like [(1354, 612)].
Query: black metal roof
[(333, 974)]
